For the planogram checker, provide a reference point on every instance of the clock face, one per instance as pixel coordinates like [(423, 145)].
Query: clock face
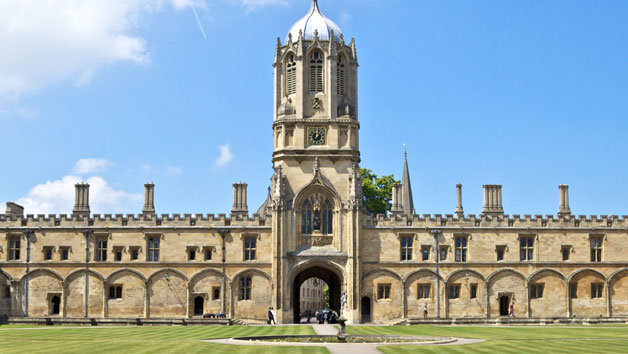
[(316, 136)]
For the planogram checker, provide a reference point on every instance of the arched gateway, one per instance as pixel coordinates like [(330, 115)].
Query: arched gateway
[(332, 278)]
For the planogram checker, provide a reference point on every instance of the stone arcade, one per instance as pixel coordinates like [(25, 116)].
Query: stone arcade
[(313, 224)]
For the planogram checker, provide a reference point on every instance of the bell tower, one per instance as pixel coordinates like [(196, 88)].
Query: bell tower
[(317, 191)]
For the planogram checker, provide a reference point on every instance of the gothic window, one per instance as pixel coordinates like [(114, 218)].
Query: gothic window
[(316, 72), (317, 216), (340, 75), (424, 291), (245, 288), (596, 249), (153, 249), (596, 290), (573, 290), (536, 291), (454, 291), (48, 253), (250, 246), (115, 292), (291, 75), (406, 248), (473, 293), (101, 250), (14, 248), (527, 248), (383, 291), (64, 253), (461, 249)]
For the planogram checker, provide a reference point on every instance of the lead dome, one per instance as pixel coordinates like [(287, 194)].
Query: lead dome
[(315, 21)]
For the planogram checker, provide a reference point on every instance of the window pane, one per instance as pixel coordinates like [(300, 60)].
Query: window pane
[(457, 241), (427, 291)]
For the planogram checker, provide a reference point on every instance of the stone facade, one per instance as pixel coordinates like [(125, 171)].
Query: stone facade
[(379, 268), (312, 296)]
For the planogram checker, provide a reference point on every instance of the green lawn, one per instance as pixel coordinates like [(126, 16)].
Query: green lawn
[(92, 340), (538, 339)]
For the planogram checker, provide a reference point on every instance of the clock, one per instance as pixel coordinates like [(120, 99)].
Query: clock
[(316, 136)]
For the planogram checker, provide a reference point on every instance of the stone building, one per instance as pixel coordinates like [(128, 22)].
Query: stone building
[(312, 295), (313, 224)]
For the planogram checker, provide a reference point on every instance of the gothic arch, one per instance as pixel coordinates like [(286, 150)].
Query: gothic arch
[(465, 270), (198, 275), (78, 271), (175, 271), (579, 271), (420, 270), (252, 270), (43, 270), (559, 274), (333, 267), (504, 270), (616, 273), (133, 271), (382, 270), (7, 275)]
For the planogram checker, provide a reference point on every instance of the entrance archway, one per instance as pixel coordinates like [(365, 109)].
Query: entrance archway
[(55, 304), (199, 302), (504, 304), (365, 306), (328, 276)]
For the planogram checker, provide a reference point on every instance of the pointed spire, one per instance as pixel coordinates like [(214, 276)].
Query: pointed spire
[(406, 188)]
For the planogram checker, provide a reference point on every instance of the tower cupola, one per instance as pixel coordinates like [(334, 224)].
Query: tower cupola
[(315, 22)]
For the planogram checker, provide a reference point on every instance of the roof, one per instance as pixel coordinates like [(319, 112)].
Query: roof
[(315, 21)]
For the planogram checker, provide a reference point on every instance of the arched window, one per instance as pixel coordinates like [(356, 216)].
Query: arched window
[(316, 72), (317, 216), (291, 75), (340, 75), (306, 218)]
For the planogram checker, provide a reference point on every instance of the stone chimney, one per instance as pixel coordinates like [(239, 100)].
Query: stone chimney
[(149, 199), (239, 200), (397, 207), (492, 200), (459, 209), (81, 199), (563, 196), (14, 210)]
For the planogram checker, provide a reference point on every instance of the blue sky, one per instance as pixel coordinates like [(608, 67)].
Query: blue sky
[(528, 94)]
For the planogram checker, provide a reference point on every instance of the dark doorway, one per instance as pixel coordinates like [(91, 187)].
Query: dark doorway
[(55, 304), (504, 303), (366, 309), (329, 277), (199, 302)]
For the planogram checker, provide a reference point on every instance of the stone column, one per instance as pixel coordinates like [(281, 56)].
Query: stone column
[(492, 200), (397, 207), (488, 301), (105, 301), (86, 234), (146, 300), (81, 199), (563, 196), (459, 209), (149, 199), (436, 233), (240, 206), (15, 300), (609, 302)]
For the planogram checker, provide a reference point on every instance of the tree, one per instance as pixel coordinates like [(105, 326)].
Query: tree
[(377, 191)]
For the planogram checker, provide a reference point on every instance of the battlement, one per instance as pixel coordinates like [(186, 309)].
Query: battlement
[(133, 220), (496, 221)]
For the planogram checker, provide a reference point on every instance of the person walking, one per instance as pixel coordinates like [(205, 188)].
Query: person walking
[(271, 316), (425, 311), (512, 310)]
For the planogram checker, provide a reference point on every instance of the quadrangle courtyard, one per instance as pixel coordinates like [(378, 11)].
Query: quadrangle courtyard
[(189, 339)]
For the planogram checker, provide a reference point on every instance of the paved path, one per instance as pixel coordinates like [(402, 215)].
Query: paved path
[(325, 329)]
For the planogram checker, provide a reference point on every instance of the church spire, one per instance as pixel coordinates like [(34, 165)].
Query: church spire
[(406, 188)]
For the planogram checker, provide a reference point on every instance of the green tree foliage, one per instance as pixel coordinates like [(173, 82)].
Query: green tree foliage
[(377, 191), (326, 295)]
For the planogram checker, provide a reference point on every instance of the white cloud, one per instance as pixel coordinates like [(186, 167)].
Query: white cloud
[(146, 168), (87, 166), (174, 170), (57, 197), (49, 41), (225, 156)]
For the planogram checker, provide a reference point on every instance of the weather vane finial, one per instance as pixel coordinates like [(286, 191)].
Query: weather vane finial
[(405, 150)]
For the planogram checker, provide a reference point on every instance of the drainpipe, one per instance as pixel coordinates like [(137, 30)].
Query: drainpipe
[(87, 233), (223, 289), (27, 234), (435, 233)]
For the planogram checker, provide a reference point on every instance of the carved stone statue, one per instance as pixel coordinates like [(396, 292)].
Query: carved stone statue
[(317, 221), (343, 303)]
